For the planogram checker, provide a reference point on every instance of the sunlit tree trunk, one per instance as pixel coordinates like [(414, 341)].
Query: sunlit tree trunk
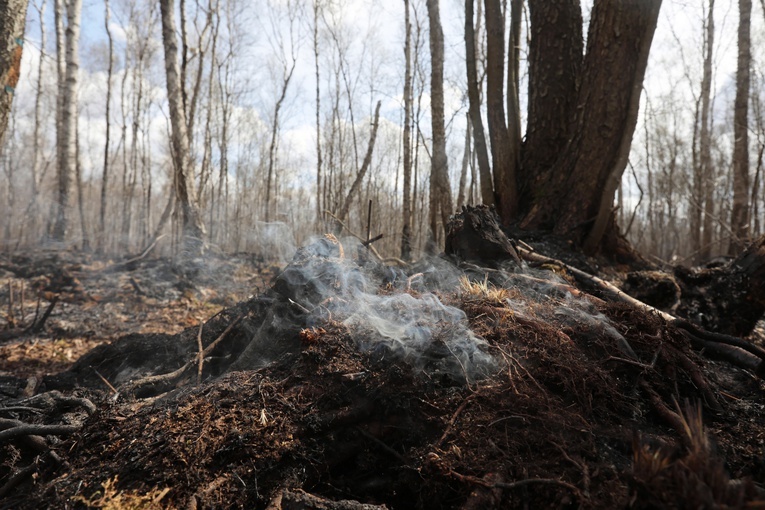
[(67, 122), (107, 131), (193, 228)]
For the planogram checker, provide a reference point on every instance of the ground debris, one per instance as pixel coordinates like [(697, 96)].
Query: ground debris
[(338, 413)]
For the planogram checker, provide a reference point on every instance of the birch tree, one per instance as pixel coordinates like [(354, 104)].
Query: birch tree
[(66, 127), (193, 230)]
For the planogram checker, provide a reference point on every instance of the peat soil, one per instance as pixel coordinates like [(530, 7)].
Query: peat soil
[(575, 402)]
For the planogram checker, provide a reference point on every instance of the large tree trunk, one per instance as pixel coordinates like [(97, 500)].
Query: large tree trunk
[(739, 221), (13, 14), (585, 177), (67, 121), (440, 190), (193, 229), (556, 53)]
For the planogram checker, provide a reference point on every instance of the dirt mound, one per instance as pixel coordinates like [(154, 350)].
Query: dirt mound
[(504, 390)]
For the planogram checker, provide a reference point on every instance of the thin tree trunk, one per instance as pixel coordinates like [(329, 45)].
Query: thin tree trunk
[(503, 159), (464, 170), (353, 191), (274, 139), (705, 175), (440, 190), (406, 232), (81, 193), (107, 133), (474, 99), (319, 207), (193, 228), (68, 119), (740, 212)]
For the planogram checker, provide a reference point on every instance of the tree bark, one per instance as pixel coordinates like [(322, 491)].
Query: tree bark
[(107, 134), (474, 110), (274, 139), (67, 122), (343, 213), (556, 57), (406, 232), (193, 228), (584, 179), (503, 159), (440, 190), (703, 190), (740, 213), (13, 14)]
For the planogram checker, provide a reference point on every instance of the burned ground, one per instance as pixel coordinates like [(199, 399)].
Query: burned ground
[(587, 403)]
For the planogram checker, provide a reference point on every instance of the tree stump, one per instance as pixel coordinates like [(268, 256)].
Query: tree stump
[(475, 235)]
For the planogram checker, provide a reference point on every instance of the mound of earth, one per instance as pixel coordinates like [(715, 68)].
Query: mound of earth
[(352, 385)]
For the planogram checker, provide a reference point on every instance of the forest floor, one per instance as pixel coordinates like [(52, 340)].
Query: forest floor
[(438, 387)]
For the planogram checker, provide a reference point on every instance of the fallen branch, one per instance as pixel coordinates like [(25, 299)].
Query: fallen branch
[(453, 419), (733, 350), (513, 485), (26, 429), (177, 374)]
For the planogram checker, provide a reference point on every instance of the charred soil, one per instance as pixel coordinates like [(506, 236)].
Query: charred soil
[(584, 404)]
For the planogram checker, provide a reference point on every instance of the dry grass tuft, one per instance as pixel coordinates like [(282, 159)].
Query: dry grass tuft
[(483, 291), (110, 498)]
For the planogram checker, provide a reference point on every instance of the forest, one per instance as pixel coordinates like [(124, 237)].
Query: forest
[(356, 254)]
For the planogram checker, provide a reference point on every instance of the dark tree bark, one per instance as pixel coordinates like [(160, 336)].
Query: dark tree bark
[(440, 189), (13, 14), (740, 213), (584, 179), (555, 65), (503, 159), (406, 232), (474, 99)]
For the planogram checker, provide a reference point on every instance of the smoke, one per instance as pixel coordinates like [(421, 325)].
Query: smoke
[(384, 319)]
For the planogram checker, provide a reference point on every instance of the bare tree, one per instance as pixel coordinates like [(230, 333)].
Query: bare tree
[(503, 151), (406, 232), (704, 208), (354, 189), (67, 123), (107, 133), (582, 183), (440, 190), (474, 99), (193, 228), (319, 208), (740, 213)]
